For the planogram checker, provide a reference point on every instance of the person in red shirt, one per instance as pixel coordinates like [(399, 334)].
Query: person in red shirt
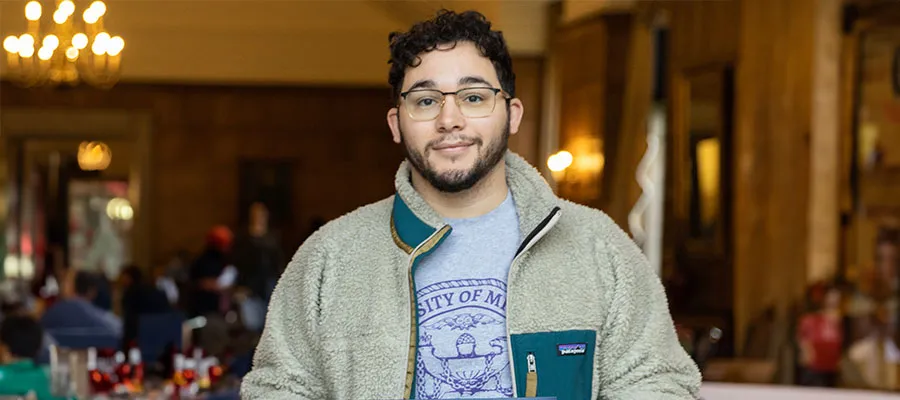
[(820, 334)]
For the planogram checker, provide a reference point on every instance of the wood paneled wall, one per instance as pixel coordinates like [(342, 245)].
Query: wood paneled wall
[(774, 88), (770, 43), (337, 138), (582, 49)]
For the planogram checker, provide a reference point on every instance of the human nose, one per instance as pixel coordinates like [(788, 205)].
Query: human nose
[(450, 119)]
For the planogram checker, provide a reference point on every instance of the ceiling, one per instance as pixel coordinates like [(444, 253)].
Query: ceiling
[(284, 41)]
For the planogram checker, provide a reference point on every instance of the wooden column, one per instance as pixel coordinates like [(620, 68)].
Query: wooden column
[(825, 157), (773, 118)]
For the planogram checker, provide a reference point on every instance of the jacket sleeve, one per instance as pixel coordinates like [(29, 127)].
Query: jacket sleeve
[(640, 356), (286, 364)]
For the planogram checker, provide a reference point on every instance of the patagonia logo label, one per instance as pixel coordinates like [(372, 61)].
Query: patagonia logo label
[(574, 349)]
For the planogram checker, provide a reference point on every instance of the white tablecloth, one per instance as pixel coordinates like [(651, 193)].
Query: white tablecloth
[(731, 391)]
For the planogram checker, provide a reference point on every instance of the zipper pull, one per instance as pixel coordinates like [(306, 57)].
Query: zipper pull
[(531, 379)]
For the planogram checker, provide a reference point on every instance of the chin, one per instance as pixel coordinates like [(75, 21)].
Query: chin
[(445, 165)]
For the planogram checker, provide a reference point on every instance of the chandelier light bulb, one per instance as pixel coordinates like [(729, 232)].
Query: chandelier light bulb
[(80, 41), (101, 43), (26, 52), (11, 44), (45, 53), (26, 40), (72, 53), (115, 45), (90, 16), (99, 7), (33, 11), (60, 17), (51, 42), (102, 37), (67, 7)]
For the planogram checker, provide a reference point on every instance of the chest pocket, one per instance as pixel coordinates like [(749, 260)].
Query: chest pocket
[(554, 364)]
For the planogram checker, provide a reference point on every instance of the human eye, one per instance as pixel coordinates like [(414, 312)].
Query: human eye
[(425, 100), (474, 96)]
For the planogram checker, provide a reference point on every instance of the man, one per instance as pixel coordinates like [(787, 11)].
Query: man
[(474, 280), (257, 255), (75, 314)]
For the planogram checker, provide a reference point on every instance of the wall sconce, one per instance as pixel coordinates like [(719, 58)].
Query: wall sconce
[(94, 156)]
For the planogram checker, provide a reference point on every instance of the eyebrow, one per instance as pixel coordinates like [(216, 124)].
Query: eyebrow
[(422, 84), (473, 80), (464, 81)]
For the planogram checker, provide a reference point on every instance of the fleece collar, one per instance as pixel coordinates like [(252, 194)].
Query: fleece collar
[(413, 220)]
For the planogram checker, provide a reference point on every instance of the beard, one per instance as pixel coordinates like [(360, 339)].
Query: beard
[(458, 180)]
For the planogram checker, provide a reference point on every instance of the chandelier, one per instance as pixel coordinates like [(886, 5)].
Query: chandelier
[(65, 49)]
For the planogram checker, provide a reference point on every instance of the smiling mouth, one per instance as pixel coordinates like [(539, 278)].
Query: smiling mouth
[(453, 146)]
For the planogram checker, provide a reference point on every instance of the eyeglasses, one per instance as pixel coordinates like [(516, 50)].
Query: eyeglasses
[(426, 104)]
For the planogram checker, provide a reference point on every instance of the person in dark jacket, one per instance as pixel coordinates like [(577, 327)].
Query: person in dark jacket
[(206, 271), (139, 298)]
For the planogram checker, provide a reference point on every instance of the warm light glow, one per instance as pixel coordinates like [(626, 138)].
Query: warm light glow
[(51, 42), (91, 16), (115, 45), (26, 52), (94, 156), (559, 161), (99, 7), (80, 41), (45, 53), (60, 17), (67, 7), (101, 43), (26, 40), (63, 45), (33, 11), (72, 53), (11, 44), (119, 209), (708, 171), (592, 162), (19, 266)]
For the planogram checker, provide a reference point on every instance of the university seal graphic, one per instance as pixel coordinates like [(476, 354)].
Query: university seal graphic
[(462, 340)]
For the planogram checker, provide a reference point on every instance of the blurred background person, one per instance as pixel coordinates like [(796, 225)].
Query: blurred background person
[(76, 312), (139, 297), (820, 336), (20, 343), (259, 261)]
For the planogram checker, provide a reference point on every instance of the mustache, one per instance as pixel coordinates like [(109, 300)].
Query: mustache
[(453, 139)]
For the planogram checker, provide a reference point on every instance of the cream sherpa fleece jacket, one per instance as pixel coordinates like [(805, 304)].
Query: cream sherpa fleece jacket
[(587, 318)]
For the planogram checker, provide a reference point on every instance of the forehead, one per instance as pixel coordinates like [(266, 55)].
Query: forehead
[(445, 66)]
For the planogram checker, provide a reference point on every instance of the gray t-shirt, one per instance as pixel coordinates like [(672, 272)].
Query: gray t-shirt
[(461, 291)]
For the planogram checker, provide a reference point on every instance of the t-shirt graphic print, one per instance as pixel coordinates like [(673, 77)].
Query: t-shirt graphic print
[(461, 309), (462, 340)]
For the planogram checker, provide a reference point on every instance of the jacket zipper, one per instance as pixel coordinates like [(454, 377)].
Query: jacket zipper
[(413, 328), (531, 379), (538, 232)]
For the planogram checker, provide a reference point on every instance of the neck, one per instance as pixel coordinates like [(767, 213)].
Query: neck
[(257, 230), (480, 199), (14, 359)]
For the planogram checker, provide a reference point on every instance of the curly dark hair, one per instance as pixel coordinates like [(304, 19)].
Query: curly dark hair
[(449, 28)]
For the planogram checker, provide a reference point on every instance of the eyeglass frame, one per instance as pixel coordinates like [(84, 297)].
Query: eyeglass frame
[(444, 95)]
